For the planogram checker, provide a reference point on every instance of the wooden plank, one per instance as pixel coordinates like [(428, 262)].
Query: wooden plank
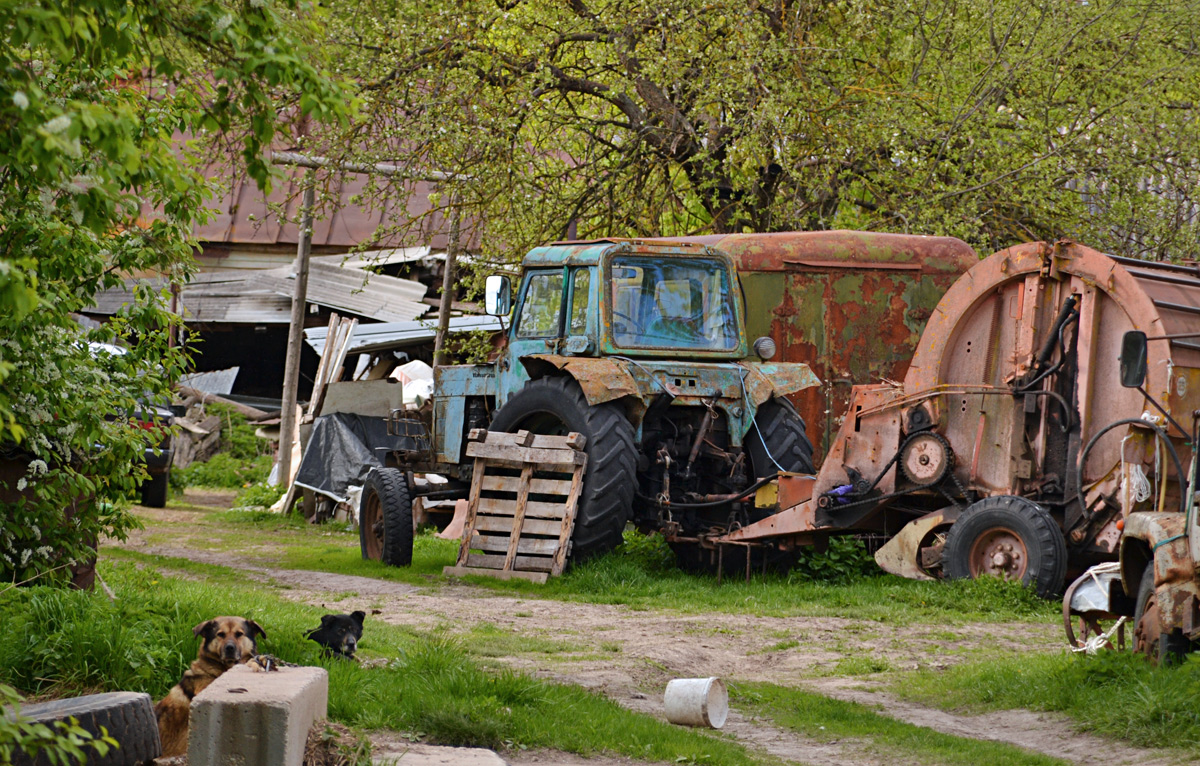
[(555, 457), (472, 508), (525, 546), (537, 486), (500, 574), (494, 506), (526, 439), (503, 524), (568, 523), (523, 563), (514, 537)]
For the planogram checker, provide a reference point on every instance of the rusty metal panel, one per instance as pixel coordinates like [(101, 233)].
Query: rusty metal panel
[(851, 305)]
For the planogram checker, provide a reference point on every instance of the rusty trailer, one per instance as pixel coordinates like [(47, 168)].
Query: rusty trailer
[(1011, 447)]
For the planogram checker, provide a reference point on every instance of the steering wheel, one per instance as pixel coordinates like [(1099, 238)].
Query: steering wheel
[(636, 326)]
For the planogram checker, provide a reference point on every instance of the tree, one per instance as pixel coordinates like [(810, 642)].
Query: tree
[(995, 121), (94, 96)]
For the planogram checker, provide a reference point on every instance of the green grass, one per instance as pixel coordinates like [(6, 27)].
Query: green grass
[(825, 719), (1115, 694), (62, 642)]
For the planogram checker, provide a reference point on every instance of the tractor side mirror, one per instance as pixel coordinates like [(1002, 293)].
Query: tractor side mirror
[(497, 295), (1133, 359)]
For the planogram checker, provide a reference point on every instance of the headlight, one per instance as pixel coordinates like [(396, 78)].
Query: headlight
[(765, 348)]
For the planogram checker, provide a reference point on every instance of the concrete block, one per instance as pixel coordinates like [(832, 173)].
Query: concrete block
[(249, 717)]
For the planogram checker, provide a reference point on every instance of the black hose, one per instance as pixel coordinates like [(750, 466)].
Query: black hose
[(1129, 421), (1060, 321)]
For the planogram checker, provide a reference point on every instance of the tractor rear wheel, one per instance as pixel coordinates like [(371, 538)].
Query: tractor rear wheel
[(556, 406), (1009, 537), (777, 441), (385, 527)]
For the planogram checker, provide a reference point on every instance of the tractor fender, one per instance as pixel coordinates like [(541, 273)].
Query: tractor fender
[(1159, 535), (602, 380)]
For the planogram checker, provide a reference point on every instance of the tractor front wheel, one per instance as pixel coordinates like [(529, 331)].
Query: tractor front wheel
[(556, 406), (385, 526)]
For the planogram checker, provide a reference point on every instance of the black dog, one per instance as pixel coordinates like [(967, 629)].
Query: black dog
[(339, 633)]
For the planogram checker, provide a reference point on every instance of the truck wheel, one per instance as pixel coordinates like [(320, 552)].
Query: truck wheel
[(154, 489), (385, 528), (127, 716), (1009, 537), (1148, 636), (556, 406), (778, 437)]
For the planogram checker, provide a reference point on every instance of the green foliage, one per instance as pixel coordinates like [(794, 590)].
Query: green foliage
[(845, 560), (63, 743), (92, 97), (63, 640), (996, 122), (259, 495), (1115, 694), (226, 471)]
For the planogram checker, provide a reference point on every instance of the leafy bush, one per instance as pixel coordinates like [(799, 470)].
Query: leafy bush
[(226, 471), (845, 560), (259, 495)]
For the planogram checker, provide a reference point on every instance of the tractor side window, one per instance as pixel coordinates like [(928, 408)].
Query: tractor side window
[(539, 310), (581, 280)]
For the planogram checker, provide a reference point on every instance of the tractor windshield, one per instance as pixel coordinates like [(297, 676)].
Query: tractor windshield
[(659, 303)]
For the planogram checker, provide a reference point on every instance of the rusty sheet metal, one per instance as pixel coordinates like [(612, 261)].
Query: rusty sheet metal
[(767, 379), (851, 305), (798, 521), (1173, 569), (602, 380), (901, 555)]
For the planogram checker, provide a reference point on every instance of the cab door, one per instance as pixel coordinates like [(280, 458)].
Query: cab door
[(537, 327)]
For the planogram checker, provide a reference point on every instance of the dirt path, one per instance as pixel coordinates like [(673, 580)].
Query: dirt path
[(629, 655)]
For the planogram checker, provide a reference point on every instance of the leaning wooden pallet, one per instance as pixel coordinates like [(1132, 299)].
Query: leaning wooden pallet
[(521, 510)]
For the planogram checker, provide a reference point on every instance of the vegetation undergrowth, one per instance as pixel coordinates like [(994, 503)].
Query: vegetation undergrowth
[(826, 719), (1115, 694), (59, 642)]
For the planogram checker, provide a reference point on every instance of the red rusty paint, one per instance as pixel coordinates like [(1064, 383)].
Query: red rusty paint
[(849, 304)]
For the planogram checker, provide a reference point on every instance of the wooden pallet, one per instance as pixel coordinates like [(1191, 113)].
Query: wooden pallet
[(521, 510)]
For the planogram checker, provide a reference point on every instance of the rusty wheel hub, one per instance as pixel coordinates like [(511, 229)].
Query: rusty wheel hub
[(999, 552)]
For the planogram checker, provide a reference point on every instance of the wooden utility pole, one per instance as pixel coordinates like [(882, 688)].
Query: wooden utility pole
[(291, 367), (448, 291)]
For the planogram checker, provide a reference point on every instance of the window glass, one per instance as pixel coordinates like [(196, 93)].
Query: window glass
[(581, 280), (543, 300), (684, 304)]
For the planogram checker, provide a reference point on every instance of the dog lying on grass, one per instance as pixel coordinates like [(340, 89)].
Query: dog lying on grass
[(227, 641), (339, 634)]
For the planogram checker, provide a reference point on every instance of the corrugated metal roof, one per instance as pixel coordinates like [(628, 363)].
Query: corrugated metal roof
[(389, 335), (264, 296)]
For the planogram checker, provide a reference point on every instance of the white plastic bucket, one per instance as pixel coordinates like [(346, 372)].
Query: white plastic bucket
[(697, 702)]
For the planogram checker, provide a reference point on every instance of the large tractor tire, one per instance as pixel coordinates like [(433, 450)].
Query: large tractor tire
[(385, 526), (556, 406), (1009, 537), (1149, 639), (127, 717), (155, 489), (777, 440)]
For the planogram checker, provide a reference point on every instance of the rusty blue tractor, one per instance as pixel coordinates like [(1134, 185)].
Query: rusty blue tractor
[(641, 348)]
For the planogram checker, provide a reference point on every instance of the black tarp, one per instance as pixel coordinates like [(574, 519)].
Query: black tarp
[(342, 450)]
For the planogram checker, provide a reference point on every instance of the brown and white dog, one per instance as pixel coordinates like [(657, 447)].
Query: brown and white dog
[(228, 641)]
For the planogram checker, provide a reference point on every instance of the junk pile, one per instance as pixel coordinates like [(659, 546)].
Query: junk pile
[(199, 435)]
